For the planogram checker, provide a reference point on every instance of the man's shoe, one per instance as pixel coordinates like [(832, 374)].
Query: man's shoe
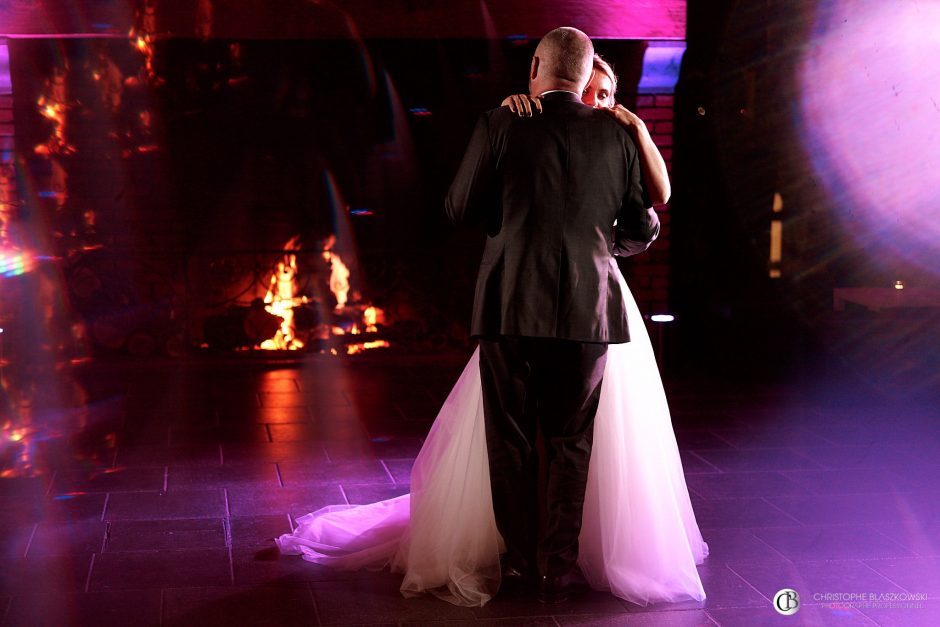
[(551, 590)]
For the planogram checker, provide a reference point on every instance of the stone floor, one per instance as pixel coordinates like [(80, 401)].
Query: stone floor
[(156, 500)]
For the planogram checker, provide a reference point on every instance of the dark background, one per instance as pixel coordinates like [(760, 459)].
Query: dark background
[(259, 140)]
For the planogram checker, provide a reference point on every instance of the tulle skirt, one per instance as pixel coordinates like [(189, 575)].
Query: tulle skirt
[(639, 538)]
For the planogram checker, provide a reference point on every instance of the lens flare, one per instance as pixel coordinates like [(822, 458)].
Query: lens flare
[(870, 81)]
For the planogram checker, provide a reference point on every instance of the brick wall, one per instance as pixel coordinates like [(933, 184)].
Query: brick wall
[(8, 197), (648, 274)]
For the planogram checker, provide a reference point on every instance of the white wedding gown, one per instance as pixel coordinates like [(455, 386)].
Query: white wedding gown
[(639, 537)]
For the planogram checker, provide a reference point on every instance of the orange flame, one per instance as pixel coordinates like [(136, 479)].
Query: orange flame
[(353, 349), (281, 300)]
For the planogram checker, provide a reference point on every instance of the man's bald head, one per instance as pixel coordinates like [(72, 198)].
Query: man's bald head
[(562, 60)]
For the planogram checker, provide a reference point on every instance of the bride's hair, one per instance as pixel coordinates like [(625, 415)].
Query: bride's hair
[(600, 64)]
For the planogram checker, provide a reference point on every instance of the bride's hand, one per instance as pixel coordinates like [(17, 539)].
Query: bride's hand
[(522, 104), (628, 119)]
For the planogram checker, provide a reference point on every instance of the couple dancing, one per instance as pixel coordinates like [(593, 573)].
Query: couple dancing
[(560, 189)]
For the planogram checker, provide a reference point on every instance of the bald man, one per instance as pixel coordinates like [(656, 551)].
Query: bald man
[(549, 190)]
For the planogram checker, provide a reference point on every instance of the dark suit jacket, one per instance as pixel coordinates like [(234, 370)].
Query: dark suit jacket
[(549, 189)]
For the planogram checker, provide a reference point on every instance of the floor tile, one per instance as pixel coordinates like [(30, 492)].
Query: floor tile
[(903, 614), (296, 501), (297, 473), (665, 618), (313, 398), (788, 490), (400, 469), (835, 509), (15, 537), (730, 546), (191, 434), (205, 453), (810, 616), (846, 481), (117, 479), (161, 569), (245, 453), (914, 574), (58, 574), (262, 564), (377, 600), (361, 494), (520, 621), (831, 542), (920, 537), (256, 530), (815, 580), (738, 513), (101, 608), (877, 455), (742, 485), (770, 437), (377, 448), (749, 460), (283, 605), (265, 415), (67, 538), (209, 503), (316, 431), (227, 476), (148, 535)]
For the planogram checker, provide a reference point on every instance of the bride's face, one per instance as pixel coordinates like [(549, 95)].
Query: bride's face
[(598, 91)]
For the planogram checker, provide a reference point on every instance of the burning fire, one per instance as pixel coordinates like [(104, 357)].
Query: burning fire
[(283, 296), (281, 299), (339, 278)]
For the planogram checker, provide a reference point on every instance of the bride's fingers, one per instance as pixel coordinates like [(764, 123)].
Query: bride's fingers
[(538, 103), (526, 107)]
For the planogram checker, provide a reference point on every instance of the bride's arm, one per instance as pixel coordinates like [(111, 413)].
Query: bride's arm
[(522, 104), (655, 174)]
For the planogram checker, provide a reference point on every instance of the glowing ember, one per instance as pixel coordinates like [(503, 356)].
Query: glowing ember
[(15, 450), (371, 317), (7, 199), (142, 37), (353, 349), (53, 103)]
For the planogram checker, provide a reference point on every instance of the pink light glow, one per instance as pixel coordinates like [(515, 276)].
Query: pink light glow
[(871, 111)]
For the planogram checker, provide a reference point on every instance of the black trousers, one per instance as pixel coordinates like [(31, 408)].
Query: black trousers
[(532, 384)]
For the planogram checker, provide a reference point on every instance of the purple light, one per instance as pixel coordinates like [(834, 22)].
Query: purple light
[(6, 85), (661, 63), (870, 81)]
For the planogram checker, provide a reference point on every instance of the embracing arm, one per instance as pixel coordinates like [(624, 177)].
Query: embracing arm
[(636, 237), (473, 187), (637, 223), (655, 174), (522, 104)]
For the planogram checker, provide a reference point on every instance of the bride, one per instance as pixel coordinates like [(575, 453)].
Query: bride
[(639, 538)]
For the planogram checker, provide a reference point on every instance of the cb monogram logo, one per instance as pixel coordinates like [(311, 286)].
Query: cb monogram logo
[(787, 602)]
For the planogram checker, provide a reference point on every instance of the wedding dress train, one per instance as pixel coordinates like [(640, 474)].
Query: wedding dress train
[(639, 538)]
